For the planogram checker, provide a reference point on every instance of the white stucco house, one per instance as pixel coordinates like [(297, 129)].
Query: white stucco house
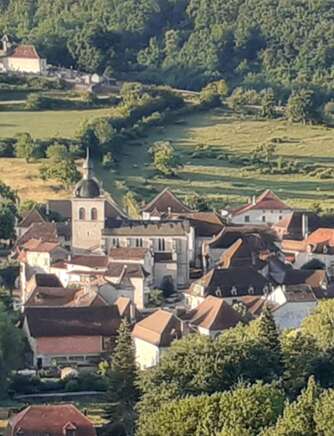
[(268, 208), (20, 58), (153, 335)]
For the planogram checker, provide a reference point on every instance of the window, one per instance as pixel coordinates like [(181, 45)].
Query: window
[(263, 219), (82, 214), (115, 242), (247, 219), (219, 292), (139, 242), (93, 214), (280, 217), (161, 244)]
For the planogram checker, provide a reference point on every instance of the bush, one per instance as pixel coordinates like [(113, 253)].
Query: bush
[(7, 147)]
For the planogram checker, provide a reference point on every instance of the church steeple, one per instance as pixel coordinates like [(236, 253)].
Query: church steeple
[(88, 167)]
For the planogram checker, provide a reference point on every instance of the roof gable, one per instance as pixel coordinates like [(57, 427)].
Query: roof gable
[(214, 314), (166, 202), (33, 216), (266, 201)]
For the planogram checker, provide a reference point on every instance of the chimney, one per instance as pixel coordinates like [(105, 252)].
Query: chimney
[(253, 200), (304, 225)]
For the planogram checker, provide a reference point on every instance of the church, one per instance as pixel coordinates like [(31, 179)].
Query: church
[(91, 209)]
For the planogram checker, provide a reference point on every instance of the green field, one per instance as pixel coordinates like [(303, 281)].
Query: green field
[(223, 182), (47, 123)]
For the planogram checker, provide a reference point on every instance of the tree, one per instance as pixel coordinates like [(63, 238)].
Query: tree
[(11, 347), (164, 157), (267, 103), (26, 147), (7, 220), (64, 171), (131, 205), (300, 108), (57, 152), (246, 408), (268, 335), (300, 356), (320, 324), (122, 393), (298, 417), (197, 202), (213, 93), (7, 193), (197, 365), (324, 413), (103, 130)]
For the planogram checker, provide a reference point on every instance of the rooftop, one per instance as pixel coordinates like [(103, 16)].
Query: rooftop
[(266, 201), (166, 202), (73, 321), (160, 328), (214, 314), (51, 420)]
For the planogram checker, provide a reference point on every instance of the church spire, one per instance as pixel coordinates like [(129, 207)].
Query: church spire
[(88, 166)]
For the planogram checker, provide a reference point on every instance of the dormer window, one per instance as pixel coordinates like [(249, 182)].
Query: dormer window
[(251, 290), (218, 292), (234, 291), (70, 429), (325, 249)]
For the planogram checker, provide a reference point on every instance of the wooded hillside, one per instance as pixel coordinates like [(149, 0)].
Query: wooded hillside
[(186, 43)]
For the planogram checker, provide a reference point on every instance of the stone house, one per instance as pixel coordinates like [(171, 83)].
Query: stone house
[(319, 245), (37, 256), (50, 419), (153, 335), (173, 239), (268, 208), (245, 245), (68, 335), (230, 284)]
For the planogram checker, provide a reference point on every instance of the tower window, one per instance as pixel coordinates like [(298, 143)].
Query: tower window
[(161, 244), (82, 213), (93, 214)]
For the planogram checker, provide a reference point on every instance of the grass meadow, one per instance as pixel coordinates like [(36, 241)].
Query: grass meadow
[(223, 182)]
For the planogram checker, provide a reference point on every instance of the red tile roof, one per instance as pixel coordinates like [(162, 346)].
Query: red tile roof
[(266, 201), (51, 420), (43, 231), (40, 246), (160, 328), (91, 261), (25, 52), (125, 253), (33, 216), (73, 321), (166, 202), (322, 236), (214, 314)]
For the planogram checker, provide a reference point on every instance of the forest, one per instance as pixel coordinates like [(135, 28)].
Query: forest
[(184, 43)]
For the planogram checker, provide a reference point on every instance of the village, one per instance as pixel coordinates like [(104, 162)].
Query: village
[(88, 272), (85, 266)]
